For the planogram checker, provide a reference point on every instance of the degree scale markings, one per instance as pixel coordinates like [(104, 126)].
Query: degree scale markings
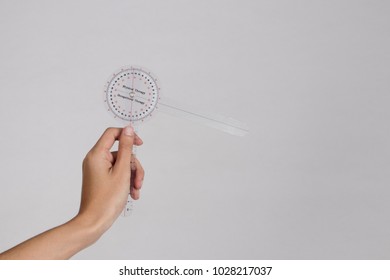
[(137, 86), (132, 94)]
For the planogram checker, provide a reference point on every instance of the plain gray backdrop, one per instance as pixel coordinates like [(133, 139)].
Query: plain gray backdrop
[(310, 78)]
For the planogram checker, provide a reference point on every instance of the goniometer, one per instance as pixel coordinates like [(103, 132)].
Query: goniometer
[(133, 95)]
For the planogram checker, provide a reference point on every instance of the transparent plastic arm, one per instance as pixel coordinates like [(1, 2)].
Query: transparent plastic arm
[(128, 210), (225, 124)]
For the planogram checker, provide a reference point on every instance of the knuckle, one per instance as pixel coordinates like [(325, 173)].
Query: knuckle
[(121, 148), (141, 174), (122, 145), (109, 129), (87, 159), (142, 170)]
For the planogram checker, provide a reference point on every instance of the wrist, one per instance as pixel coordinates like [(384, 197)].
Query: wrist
[(90, 229)]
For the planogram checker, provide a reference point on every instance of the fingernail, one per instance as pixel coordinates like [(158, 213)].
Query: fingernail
[(129, 131)]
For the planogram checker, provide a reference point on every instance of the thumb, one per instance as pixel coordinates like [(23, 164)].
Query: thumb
[(125, 148)]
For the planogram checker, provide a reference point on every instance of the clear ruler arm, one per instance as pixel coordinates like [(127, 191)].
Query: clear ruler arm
[(223, 123), (132, 94), (128, 209)]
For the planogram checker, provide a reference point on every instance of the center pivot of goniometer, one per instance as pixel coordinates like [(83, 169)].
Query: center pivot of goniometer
[(132, 94)]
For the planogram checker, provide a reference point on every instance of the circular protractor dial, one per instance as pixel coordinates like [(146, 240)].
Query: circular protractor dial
[(132, 94)]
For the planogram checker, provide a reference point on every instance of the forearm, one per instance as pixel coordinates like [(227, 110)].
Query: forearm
[(61, 242), (107, 177)]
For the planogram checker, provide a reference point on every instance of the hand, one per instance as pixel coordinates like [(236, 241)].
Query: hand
[(106, 182), (107, 177)]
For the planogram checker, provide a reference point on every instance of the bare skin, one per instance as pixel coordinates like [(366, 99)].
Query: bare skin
[(106, 180)]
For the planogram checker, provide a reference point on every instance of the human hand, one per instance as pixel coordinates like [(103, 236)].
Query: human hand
[(106, 182), (107, 177)]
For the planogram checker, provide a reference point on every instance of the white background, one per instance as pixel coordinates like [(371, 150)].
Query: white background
[(281, 269), (310, 78)]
